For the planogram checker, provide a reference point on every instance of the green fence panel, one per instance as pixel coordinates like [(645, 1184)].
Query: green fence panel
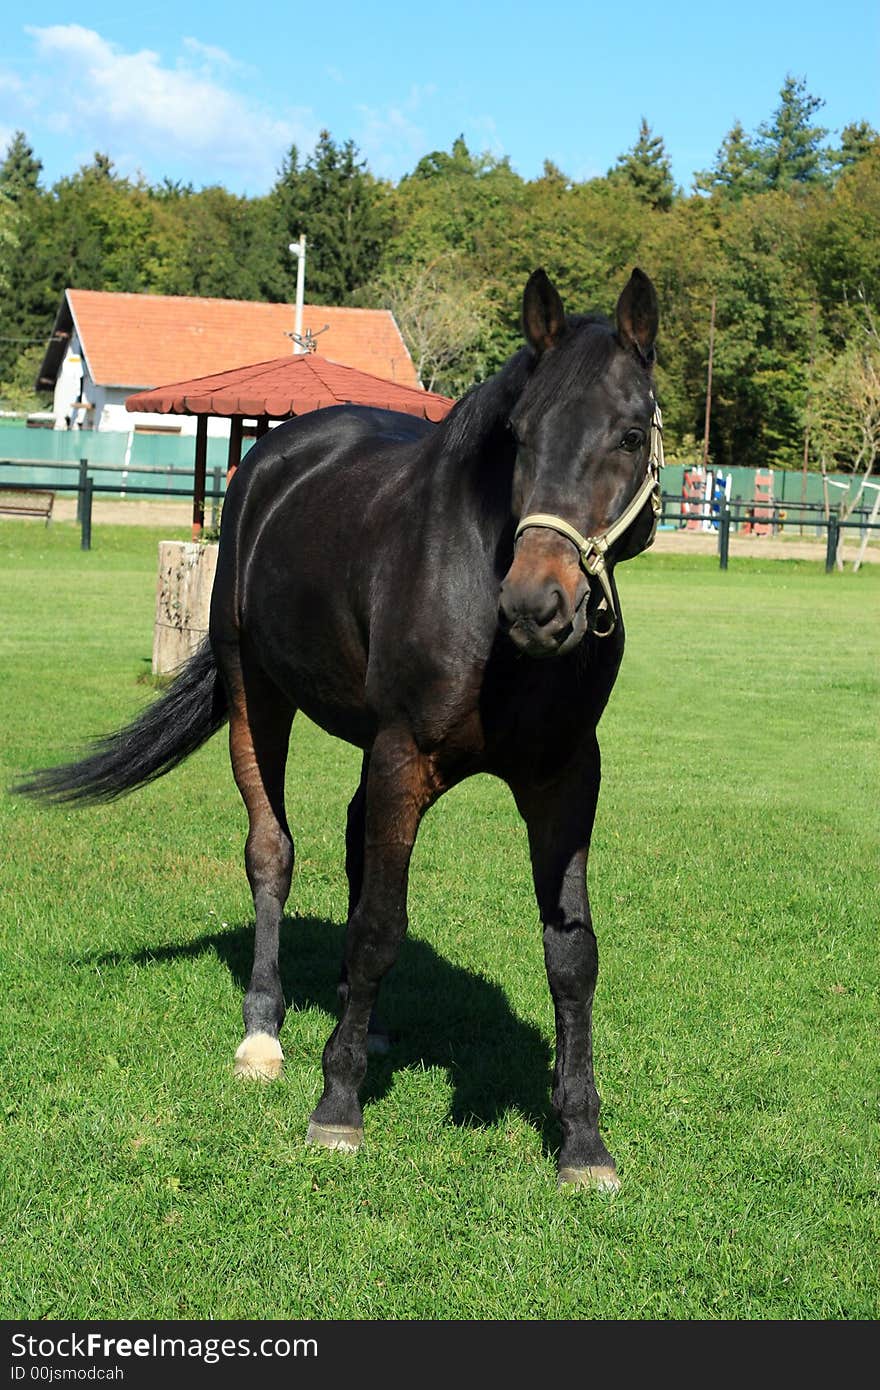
[(114, 449)]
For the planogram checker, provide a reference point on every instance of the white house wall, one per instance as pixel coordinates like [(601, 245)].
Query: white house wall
[(67, 384), (114, 416), (109, 413)]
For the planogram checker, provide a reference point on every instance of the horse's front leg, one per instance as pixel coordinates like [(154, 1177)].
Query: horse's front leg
[(560, 822), (399, 788)]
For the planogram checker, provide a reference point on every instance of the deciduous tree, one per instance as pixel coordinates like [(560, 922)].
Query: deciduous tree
[(443, 316)]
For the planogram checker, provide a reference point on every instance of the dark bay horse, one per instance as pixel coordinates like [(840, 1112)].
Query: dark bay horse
[(443, 597)]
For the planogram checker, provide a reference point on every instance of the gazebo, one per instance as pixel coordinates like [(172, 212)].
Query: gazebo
[(275, 390)]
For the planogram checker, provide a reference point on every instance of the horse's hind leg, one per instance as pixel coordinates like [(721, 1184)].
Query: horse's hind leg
[(399, 788), (560, 823), (259, 731), (378, 1037)]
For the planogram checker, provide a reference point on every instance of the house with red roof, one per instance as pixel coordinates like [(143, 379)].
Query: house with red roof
[(105, 346)]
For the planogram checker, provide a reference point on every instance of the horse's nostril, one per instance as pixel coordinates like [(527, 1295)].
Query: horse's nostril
[(542, 610), (550, 607)]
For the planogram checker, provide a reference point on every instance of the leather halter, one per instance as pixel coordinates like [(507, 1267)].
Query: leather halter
[(593, 549)]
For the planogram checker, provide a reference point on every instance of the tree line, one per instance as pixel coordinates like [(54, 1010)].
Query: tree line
[(780, 232)]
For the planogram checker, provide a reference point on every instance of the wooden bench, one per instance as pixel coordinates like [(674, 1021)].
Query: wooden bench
[(27, 501)]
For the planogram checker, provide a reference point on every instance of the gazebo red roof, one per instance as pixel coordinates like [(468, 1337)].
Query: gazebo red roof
[(286, 386)]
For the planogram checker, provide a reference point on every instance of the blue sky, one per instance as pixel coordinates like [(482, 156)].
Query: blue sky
[(215, 93)]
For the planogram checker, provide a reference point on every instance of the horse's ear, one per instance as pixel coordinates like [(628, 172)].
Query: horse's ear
[(543, 314), (638, 316)]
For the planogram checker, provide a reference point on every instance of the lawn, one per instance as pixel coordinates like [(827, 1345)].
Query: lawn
[(733, 880)]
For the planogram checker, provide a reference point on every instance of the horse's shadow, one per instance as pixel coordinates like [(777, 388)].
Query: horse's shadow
[(438, 1015)]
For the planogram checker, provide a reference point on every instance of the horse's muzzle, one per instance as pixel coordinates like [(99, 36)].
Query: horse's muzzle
[(541, 622)]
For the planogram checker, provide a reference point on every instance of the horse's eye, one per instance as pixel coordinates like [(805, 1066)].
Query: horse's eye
[(632, 440)]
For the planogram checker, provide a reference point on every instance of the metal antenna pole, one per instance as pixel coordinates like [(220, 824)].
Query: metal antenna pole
[(298, 249)]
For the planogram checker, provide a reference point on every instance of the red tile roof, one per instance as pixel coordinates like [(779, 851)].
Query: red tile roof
[(142, 340), (287, 386)]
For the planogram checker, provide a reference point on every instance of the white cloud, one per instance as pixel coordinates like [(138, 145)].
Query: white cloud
[(484, 137), (211, 55), (11, 82), (136, 102), (389, 136)]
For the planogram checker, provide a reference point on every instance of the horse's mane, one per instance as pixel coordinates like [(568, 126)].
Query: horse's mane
[(485, 407), (581, 355)]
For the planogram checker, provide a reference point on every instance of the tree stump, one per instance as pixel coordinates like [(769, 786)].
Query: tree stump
[(183, 601)]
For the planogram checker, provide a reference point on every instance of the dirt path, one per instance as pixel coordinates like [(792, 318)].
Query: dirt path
[(790, 547), (179, 514), (128, 513)]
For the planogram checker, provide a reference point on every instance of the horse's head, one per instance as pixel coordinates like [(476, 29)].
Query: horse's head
[(587, 447)]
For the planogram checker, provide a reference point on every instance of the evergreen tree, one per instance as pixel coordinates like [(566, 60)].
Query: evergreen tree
[(856, 140), (789, 147), (646, 167), (101, 167), (26, 256), (737, 168), (8, 239), (20, 170), (335, 201), (287, 193)]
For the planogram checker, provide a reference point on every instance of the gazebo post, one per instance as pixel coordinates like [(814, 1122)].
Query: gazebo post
[(262, 426), (198, 517), (233, 458)]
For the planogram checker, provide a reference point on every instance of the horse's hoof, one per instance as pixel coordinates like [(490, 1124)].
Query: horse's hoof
[(602, 1179), (343, 1137), (259, 1058)]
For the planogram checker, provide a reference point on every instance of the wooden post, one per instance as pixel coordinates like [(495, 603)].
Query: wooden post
[(709, 385), (807, 419), (233, 458), (724, 534), (83, 474), (198, 518), (183, 601), (262, 426), (833, 542), (215, 498), (86, 517)]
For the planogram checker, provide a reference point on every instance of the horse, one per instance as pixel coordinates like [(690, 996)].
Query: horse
[(443, 597)]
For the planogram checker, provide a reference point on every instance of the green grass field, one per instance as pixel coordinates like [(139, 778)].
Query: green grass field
[(734, 886)]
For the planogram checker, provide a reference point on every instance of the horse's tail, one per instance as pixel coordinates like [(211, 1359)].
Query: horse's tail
[(173, 726)]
